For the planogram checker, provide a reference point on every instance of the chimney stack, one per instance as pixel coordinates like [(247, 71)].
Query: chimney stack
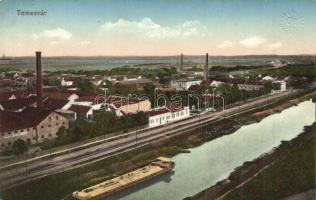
[(206, 68), (39, 79), (181, 62)]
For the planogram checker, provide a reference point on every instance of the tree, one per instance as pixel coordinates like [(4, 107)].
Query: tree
[(19, 147), (86, 86)]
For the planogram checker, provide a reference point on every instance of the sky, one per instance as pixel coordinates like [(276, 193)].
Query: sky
[(158, 27)]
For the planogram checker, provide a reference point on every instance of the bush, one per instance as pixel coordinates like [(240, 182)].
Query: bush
[(19, 147)]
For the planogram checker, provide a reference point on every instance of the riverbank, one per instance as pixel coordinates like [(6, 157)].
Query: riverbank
[(250, 169), (59, 185)]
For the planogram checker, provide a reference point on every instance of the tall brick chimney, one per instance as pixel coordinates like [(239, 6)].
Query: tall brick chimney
[(206, 68), (181, 62), (39, 79)]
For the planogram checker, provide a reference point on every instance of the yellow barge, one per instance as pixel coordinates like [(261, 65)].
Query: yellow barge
[(160, 166)]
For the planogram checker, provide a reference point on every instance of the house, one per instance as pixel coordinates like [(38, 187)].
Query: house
[(90, 100), (169, 113), (268, 78), (69, 80), (124, 105), (33, 125), (282, 86), (184, 85), (216, 83), (96, 79), (82, 111), (248, 85), (17, 105), (159, 116)]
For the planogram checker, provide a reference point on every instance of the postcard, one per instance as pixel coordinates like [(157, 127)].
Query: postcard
[(157, 100)]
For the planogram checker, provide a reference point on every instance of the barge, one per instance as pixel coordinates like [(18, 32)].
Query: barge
[(158, 167)]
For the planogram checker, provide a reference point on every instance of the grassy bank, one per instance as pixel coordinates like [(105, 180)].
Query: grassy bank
[(292, 174), (62, 184)]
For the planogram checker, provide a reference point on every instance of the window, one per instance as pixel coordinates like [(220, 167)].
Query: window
[(50, 118), (50, 135), (22, 130), (56, 124), (42, 126), (42, 136), (9, 143), (63, 123), (56, 117), (49, 125), (15, 131), (27, 129), (34, 138), (2, 144), (33, 128)]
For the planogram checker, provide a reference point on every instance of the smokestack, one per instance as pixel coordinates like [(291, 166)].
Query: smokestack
[(206, 68), (181, 62), (39, 79)]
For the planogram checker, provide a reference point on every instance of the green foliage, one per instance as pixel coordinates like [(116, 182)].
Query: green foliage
[(52, 82), (85, 86), (165, 75), (19, 147), (276, 86), (104, 123)]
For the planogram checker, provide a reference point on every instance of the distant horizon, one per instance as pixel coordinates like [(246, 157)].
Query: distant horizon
[(174, 55)]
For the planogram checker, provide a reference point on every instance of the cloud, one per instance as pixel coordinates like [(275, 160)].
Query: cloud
[(57, 34), (84, 42), (275, 45), (253, 42), (148, 29), (226, 44), (53, 43)]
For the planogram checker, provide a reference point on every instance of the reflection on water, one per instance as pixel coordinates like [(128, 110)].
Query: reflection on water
[(215, 160)]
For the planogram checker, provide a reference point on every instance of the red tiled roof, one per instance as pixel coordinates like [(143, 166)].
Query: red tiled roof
[(6, 81), (174, 106), (58, 95), (5, 95), (16, 104), (195, 88), (86, 98), (79, 109), (121, 101), (29, 117), (54, 104), (240, 81), (158, 111), (47, 90), (79, 93), (72, 78)]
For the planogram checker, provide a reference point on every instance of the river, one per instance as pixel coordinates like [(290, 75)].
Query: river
[(215, 160)]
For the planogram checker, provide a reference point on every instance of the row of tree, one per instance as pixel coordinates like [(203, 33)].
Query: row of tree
[(103, 123)]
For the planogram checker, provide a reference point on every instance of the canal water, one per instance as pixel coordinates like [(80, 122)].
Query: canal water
[(215, 160)]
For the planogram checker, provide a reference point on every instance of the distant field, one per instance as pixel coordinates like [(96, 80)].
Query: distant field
[(103, 62)]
